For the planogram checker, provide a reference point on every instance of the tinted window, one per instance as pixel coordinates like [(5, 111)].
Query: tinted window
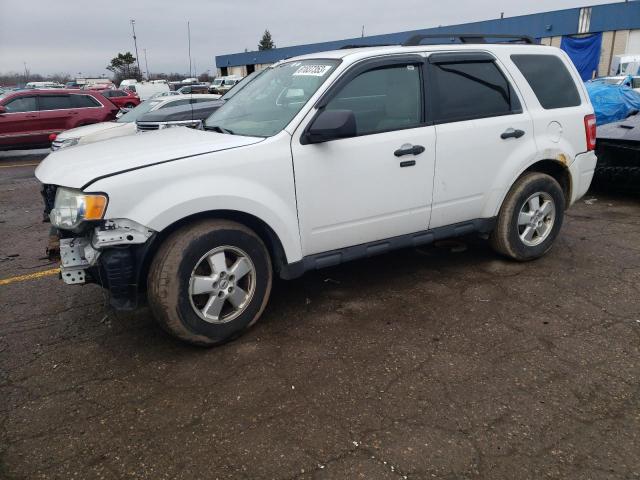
[(22, 104), (118, 93), (636, 82), (383, 99), (54, 102), (469, 89), (549, 79), (84, 101)]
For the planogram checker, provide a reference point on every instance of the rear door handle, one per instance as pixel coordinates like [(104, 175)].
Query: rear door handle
[(511, 133), (409, 150)]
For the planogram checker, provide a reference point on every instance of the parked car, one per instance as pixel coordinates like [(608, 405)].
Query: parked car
[(43, 85), (29, 117), (187, 89), (122, 98), (222, 85), (124, 125), (186, 115), (183, 116), (632, 81), (146, 90), (323, 159)]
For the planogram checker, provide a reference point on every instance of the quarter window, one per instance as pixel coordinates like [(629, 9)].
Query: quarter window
[(469, 89), (54, 102), (22, 104), (388, 98), (549, 79)]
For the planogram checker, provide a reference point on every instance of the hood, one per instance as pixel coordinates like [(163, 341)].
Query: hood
[(88, 130), (198, 111), (78, 166)]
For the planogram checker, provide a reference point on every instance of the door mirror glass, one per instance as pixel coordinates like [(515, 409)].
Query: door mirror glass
[(331, 125)]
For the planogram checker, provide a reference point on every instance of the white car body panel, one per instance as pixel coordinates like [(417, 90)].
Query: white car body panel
[(344, 192), (98, 131)]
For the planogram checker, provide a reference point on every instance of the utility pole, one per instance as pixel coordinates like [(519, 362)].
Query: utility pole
[(146, 65), (189, 35), (135, 43), (26, 73), (362, 31)]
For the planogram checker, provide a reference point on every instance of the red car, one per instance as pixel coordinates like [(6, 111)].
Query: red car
[(28, 117), (122, 98)]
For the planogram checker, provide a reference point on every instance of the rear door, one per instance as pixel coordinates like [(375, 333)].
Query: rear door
[(480, 126), (56, 112), (19, 124)]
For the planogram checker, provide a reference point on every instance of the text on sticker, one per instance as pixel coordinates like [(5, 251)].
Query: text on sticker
[(313, 70)]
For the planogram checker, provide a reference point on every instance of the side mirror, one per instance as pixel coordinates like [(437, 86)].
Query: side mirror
[(331, 125), (3, 109)]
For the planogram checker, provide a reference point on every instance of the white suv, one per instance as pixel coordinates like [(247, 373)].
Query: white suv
[(323, 159)]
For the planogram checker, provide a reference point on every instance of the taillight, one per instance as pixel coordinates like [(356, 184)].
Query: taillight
[(52, 137), (590, 131)]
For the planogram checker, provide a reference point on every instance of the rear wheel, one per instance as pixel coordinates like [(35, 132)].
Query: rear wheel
[(129, 105), (530, 217), (210, 281)]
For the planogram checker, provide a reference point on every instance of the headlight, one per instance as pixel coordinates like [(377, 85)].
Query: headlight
[(67, 142), (72, 207)]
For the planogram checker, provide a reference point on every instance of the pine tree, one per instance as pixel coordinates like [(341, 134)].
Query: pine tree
[(266, 43)]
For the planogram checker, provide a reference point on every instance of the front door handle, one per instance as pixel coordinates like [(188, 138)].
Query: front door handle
[(409, 150), (511, 133)]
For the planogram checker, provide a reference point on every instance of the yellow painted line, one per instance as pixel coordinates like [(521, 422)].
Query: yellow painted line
[(19, 165), (30, 276)]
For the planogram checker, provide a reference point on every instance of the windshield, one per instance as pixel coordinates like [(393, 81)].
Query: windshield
[(268, 103), (240, 85), (135, 113)]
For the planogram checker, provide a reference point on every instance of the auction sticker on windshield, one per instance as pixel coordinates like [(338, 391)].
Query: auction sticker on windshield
[(313, 70)]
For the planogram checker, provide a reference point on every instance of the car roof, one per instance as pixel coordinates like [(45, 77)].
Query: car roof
[(366, 52), (53, 91)]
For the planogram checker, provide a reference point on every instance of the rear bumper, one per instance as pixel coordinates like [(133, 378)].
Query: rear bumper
[(582, 170)]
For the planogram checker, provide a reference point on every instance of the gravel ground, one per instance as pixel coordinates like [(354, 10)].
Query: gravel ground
[(424, 363)]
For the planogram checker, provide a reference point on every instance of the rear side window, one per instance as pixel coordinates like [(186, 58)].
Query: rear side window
[(54, 102), (468, 90), (22, 104), (549, 79), (84, 101)]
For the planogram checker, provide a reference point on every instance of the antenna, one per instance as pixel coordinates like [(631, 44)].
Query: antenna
[(135, 43), (189, 35), (146, 65)]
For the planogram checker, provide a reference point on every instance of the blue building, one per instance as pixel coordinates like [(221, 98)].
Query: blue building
[(618, 24)]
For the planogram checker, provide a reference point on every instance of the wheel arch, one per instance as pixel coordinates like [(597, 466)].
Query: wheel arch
[(259, 226), (557, 170)]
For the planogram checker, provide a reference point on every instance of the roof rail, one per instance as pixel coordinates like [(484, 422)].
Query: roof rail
[(353, 45), (469, 38)]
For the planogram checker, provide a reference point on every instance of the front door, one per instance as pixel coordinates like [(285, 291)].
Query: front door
[(375, 185), (19, 124)]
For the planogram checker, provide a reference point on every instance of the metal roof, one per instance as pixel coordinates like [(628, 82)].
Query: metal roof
[(612, 16)]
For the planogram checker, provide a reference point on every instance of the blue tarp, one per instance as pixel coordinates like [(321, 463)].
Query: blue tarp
[(612, 102), (584, 53)]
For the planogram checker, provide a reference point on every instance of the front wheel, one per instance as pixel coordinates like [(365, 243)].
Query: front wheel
[(209, 281), (530, 217)]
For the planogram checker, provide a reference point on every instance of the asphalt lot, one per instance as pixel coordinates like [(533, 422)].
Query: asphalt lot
[(441, 362)]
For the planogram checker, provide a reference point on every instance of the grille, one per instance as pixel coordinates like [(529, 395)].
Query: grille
[(48, 193), (147, 127)]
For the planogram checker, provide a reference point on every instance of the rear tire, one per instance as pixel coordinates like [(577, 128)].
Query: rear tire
[(209, 282), (530, 218), (129, 105)]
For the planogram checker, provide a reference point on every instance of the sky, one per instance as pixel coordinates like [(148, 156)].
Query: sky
[(81, 37)]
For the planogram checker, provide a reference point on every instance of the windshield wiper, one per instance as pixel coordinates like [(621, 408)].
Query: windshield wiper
[(218, 128)]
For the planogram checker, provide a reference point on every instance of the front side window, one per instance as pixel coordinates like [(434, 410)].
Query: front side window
[(383, 99), (469, 89), (549, 79), (268, 103), (54, 102), (22, 104)]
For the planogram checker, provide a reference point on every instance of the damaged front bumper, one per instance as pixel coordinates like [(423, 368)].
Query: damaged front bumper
[(110, 255)]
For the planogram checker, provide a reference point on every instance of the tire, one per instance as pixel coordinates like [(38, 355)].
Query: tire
[(174, 282), (129, 105), (531, 235)]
